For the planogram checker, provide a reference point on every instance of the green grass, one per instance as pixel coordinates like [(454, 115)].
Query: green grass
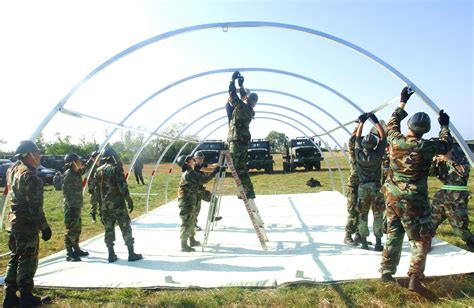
[(452, 291)]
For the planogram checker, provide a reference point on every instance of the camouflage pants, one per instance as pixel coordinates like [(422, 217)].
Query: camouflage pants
[(404, 213), (187, 211), (453, 205), (352, 217), (21, 267), (370, 197), (119, 216), (238, 151), (73, 224)]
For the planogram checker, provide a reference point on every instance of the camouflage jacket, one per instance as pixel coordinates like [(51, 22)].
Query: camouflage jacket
[(73, 184), (240, 122), (26, 199), (191, 182), (452, 172), (410, 157), (110, 186), (353, 180), (369, 162)]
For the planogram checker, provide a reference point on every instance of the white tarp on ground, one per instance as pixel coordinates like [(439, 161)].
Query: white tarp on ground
[(305, 234)]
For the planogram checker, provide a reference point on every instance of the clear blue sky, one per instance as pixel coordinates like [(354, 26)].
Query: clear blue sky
[(49, 46)]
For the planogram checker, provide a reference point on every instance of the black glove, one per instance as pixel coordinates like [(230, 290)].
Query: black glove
[(363, 117), (130, 204), (235, 75), (374, 119), (93, 216), (240, 80), (46, 234), (443, 118), (405, 95), (232, 89)]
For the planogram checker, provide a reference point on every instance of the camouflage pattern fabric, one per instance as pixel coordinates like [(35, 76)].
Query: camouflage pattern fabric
[(370, 197), (94, 198), (406, 193), (385, 166), (73, 200), (238, 152), (112, 191), (25, 219), (452, 204), (368, 162), (351, 190)]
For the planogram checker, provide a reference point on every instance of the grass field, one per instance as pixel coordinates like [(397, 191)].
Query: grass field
[(453, 291)]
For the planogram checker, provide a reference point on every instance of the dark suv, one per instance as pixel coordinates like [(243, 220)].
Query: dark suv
[(301, 152), (211, 150), (258, 155)]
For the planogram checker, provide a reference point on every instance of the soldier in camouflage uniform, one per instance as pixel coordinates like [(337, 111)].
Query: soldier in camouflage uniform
[(188, 199), (73, 201), (239, 133), (451, 201), (25, 220), (112, 192), (407, 206), (368, 157)]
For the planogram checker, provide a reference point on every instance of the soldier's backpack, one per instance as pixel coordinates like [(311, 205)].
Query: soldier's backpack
[(313, 183)]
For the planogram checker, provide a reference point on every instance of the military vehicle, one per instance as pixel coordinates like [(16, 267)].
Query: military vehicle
[(211, 150), (258, 155), (301, 152)]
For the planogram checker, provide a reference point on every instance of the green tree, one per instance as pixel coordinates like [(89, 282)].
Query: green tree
[(277, 141)]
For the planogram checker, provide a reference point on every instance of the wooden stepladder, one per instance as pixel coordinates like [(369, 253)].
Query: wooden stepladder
[(250, 205)]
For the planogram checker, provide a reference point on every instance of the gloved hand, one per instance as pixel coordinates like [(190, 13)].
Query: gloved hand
[(405, 95), (235, 75), (240, 80), (443, 118), (130, 204), (374, 118), (427, 231), (46, 234), (363, 117), (93, 216)]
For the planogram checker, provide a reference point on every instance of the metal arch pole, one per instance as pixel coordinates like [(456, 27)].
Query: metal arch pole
[(251, 24)]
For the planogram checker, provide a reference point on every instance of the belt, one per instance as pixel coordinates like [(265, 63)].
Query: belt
[(453, 187)]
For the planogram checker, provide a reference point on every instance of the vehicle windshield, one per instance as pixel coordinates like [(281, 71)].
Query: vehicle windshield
[(260, 144), (211, 146), (301, 142)]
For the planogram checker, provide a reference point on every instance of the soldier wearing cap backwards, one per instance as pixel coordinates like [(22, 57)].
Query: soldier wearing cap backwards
[(112, 192), (368, 158), (25, 220), (188, 199), (451, 201), (73, 201), (406, 190), (240, 114)]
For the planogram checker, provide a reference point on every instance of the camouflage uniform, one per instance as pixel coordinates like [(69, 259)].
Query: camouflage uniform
[(25, 219), (188, 199), (94, 198), (238, 138), (351, 193), (451, 201), (112, 191), (369, 171), (406, 190)]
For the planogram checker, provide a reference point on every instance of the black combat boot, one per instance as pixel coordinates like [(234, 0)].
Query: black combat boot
[(363, 242), (71, 256), (217, 218), (132, 256), (193, 242), (79, 252), (357, 239), (27, 299), (348, 239), (378, 244), (415, 284), (185, 247), (387, 277), (10, 299), (112, 255)]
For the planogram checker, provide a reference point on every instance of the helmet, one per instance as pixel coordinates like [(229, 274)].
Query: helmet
[(252, 99), (199, 154), (108, 153), (181, 160), (25, 147), (420, 123), (70, 158), (369, 141)]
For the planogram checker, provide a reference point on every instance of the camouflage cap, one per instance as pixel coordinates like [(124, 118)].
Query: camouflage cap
[(25, 147), (70, 158), (420, 123), (198, 154)]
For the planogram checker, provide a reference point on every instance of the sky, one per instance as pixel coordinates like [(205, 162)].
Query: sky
[(49, 47)]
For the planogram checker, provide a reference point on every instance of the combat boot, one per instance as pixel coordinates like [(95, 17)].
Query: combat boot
[(470, 245), (185, 247), (387, 277), (27, 299), (112, 255), (348, 239), (357, 239), (132, 256), (193, 242), (415, 284), (378, 244), (79, 252), (217, 218), (363, 242), (10, 299), (71, 256)]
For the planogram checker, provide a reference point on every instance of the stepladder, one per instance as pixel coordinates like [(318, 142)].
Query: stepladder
[(250, 206)]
